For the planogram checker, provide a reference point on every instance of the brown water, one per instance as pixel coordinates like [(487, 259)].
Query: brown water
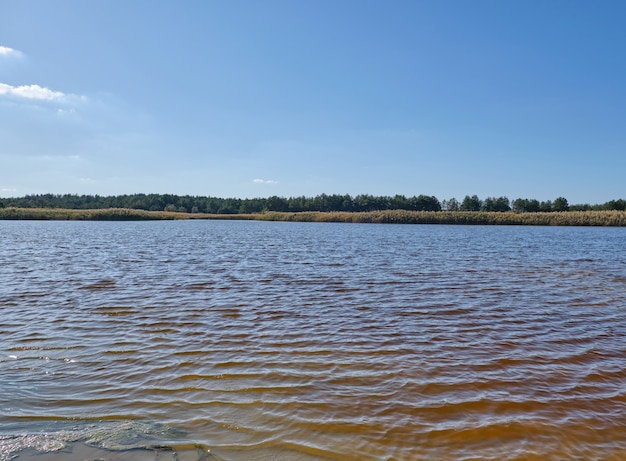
[(284, 341)]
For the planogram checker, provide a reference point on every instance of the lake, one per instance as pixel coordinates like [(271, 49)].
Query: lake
[(245, 340)]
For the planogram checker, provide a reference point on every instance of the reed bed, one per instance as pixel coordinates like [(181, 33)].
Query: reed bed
[(568, 218), (62, 214)]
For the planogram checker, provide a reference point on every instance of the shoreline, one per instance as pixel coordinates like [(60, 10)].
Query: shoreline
[(567, 218)]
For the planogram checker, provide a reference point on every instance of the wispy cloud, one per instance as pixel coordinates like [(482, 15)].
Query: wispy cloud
[(66, 112), (6, 51), (264, 181), (31, 92)]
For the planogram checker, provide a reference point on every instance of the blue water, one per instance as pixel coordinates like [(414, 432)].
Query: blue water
[(241, 340)]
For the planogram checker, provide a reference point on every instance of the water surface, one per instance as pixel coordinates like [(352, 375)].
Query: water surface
[(247, 340)]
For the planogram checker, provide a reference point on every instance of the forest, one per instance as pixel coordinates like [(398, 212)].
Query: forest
[(321, 203)]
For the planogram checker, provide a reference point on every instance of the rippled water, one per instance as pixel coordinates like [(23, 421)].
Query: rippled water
[(259, 340)]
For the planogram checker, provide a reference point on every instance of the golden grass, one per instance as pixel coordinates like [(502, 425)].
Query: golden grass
[(569, 218), (61, 214)]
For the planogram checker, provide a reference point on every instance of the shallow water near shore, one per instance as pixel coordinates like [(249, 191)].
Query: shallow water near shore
[(240, 340)]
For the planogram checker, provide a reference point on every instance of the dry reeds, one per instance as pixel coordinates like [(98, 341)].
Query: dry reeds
[(61, 214), (572, 218), (568, 218)]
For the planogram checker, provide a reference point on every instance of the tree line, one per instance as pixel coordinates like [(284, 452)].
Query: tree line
[(323, 202)]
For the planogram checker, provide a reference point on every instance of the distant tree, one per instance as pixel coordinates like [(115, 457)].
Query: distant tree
[(533, 206), (364, 202), (276, 203), (472, 203), (503, 204), (382, 202), (347, 203), (524, 205), (251, 206), (297, 204), (451, 205), (615, 205), (545, 206), (399, 202), (335, 202), (560, 204), (500, 204), (424, 203), (211, 205), (323, 202), (229, 206), (519, 205)]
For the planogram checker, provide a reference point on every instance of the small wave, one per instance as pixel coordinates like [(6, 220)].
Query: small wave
[(99, 441), (100, 285)]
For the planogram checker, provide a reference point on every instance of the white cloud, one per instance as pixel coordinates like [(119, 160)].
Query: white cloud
[(264, 181), (66, 112), (6, 51), (34, 92), (31, 92)]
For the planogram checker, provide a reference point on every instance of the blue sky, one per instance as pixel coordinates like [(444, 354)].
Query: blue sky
[(235, 98)]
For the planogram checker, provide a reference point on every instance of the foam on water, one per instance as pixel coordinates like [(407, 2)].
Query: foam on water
[(135, 440)]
